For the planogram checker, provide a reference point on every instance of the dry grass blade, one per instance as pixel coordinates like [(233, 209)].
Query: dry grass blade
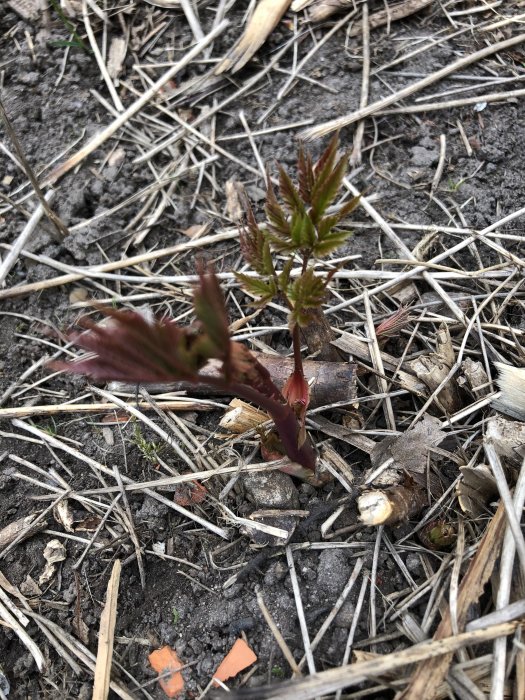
[(97, 467), (11, 622), (76, 648), (283, 646), (106, 635), (54, 218), (262, 23), (24, 289), (181, 404), (28, 230), (392, 13), (504, 590), (316, 132)]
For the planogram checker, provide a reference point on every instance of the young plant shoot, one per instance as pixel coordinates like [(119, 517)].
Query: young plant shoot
[(131, 347)]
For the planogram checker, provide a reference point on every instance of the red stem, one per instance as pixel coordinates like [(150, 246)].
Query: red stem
[(297, 358)]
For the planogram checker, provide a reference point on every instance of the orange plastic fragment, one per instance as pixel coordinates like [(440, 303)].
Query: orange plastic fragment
[(236, 660), (167, 664)]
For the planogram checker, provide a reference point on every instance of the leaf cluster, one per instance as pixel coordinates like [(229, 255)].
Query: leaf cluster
[(298, 224), (135, 347)]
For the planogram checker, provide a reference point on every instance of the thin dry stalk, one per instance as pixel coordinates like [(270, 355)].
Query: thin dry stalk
[(22, 290), (355, 156), (97, 467), (400, 245), (451, 104), (181, 404), (127, 519), (12, 622), (300, 611), (283, 646), (428, 676), (504, 589), (54, 218), (23, 238), (513, 515), (337, 606), (326, 682)]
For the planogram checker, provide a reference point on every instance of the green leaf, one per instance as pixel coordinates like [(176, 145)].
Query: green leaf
[(327, 159), (331, 242), (289, 192), (252, 241), (348, 207), (305, 174), (264, 289), (268, 267), (278, 222), (284, 276), (306, 293), (303, 231), (327, 186)]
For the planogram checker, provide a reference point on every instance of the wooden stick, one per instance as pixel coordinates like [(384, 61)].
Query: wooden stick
[(106, 636), (330, 382)]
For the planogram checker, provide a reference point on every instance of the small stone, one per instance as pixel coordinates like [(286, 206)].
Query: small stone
[(333, 571), (413, 563), (274, 490)]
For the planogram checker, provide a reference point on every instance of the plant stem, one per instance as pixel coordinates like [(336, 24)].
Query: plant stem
[(297, 358), (283, 415)]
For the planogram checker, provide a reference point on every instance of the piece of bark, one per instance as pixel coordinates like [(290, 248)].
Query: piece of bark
[(330, 382), (476, 490), (433, 369), (474, 378), (28, 9), (444, 347), (426, 679), (362, 442), (507, 436), (318, 336), (408, 451)]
